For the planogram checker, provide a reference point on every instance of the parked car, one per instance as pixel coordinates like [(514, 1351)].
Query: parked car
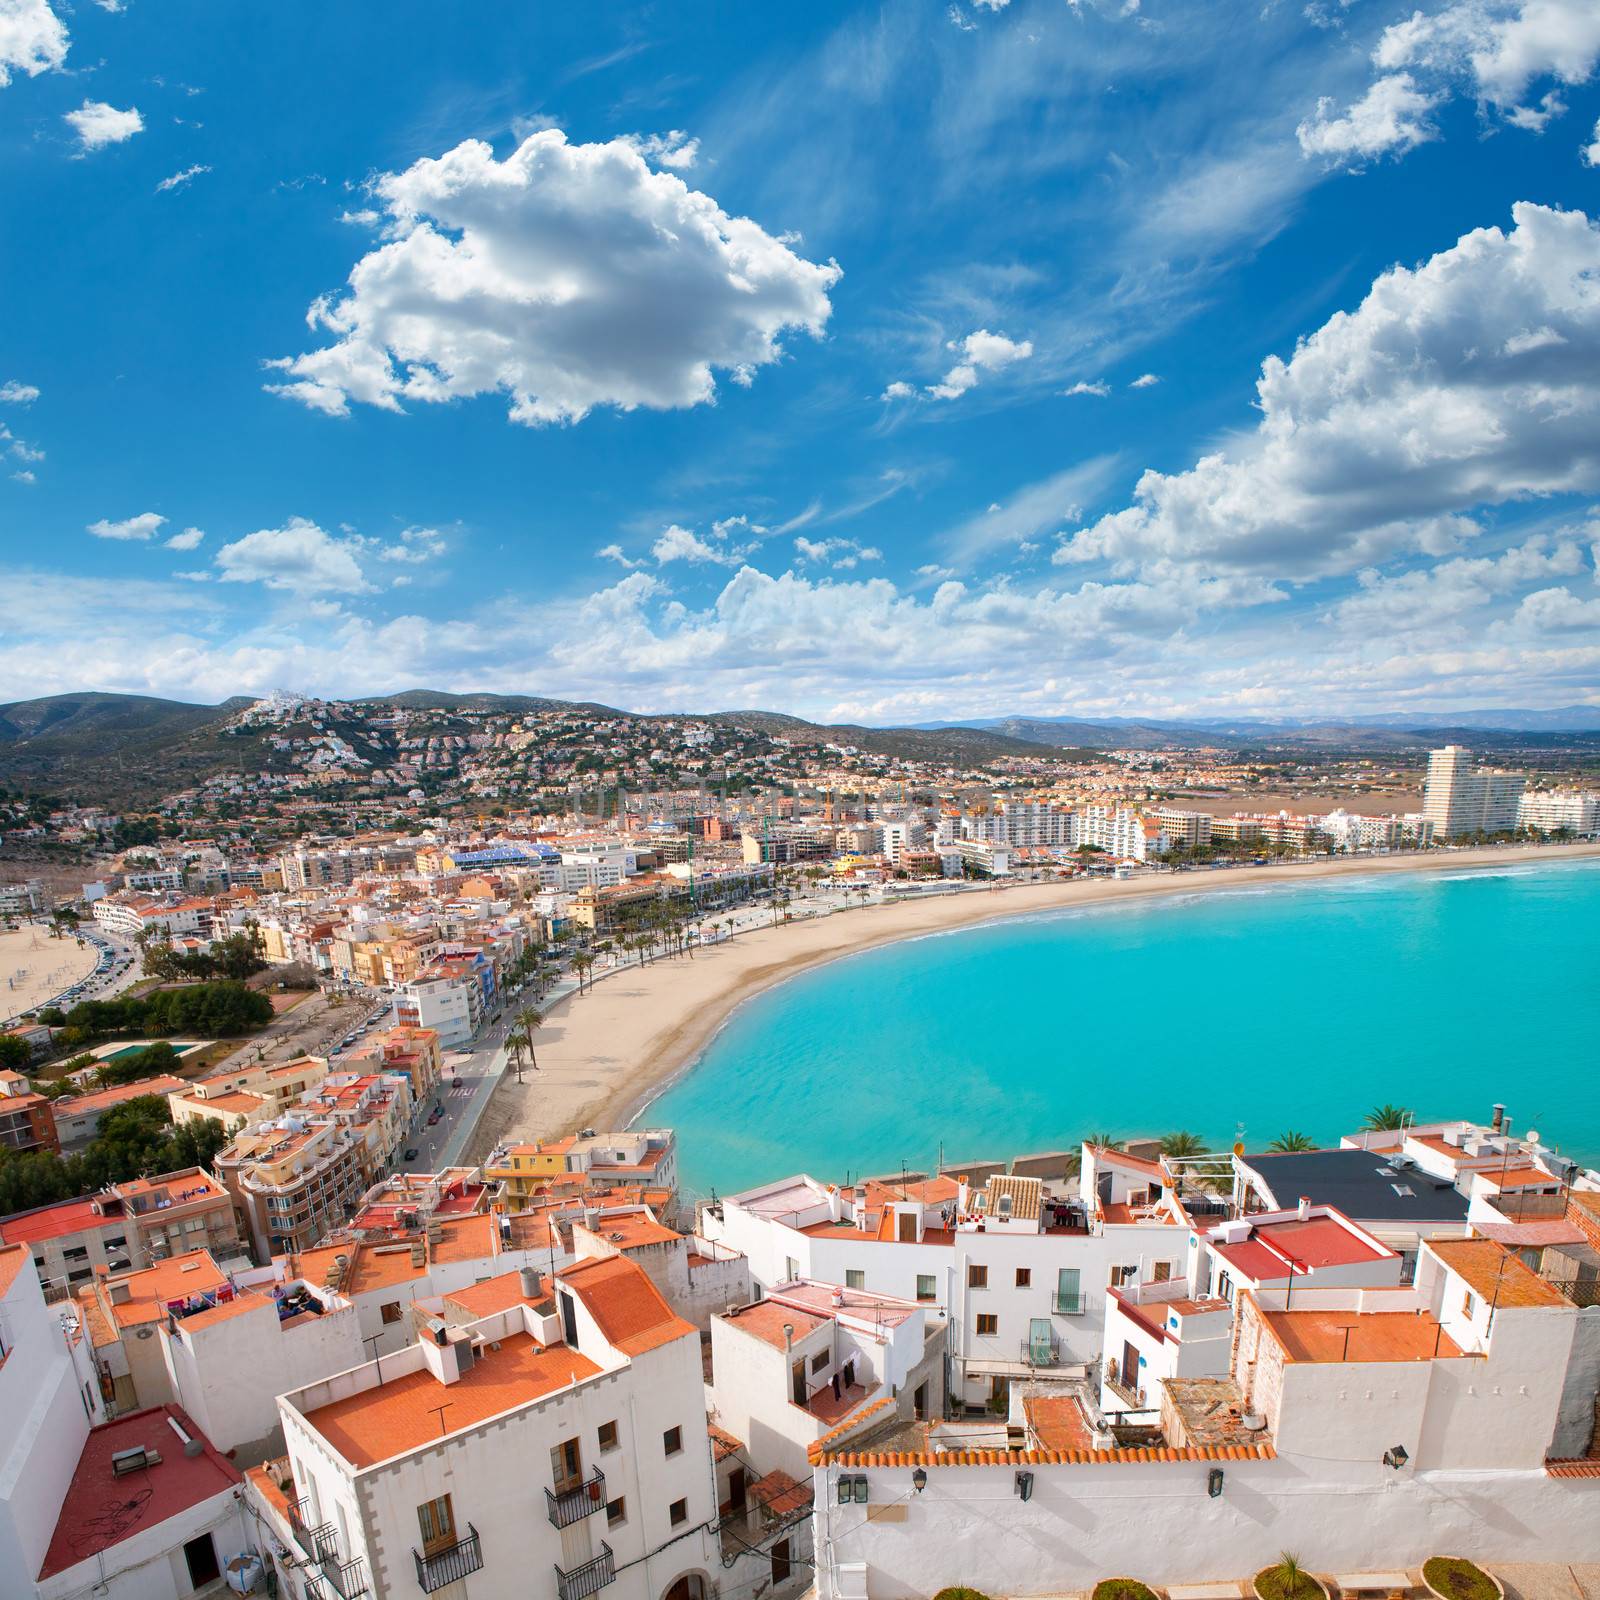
[(411, 1153)]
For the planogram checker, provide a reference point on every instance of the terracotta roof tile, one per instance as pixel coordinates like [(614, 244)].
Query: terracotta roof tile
[(1494, 1273), (626, 1305)]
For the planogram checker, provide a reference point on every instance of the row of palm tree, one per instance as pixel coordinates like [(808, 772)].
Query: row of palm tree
[(519, 1042)]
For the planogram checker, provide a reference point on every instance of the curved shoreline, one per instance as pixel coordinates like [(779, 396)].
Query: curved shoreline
[(603, 1060)]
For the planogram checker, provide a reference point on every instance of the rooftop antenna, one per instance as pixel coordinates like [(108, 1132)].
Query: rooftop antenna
[(440, 1410)]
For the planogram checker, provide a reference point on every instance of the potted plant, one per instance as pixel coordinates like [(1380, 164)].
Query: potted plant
[(959, 1593), (1123, 1589), (1288, 1580), (1456, 1578)]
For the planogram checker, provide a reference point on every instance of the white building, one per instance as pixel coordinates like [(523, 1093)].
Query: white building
[(451, 1005), (1556, 811), (425, 1469), (1460, 799)]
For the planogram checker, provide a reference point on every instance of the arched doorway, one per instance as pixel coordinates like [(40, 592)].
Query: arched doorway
[(690, 1586)]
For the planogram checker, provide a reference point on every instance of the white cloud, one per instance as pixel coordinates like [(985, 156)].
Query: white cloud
[(98, 124), (1034, 509), (898, 390), (1145, 380), (566, 276), (182, 179), (189, 539), (615, 552), (1389, 119), (1591, 152), (1392, 420), (33, 39), (143, 526), (985, 351), (841, 554), (682, 544), (24, 451), (676, 149), (361, 219), (1100, 389), (298, 557), (1496, 49), (18, 394), (417, 545), (1557, 610), (24, 476)]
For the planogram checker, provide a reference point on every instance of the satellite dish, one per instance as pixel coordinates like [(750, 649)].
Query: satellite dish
[(1238, 1148), (1532, 1136)]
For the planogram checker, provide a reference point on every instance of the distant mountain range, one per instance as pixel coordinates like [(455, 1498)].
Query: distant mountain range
[(120, 748)]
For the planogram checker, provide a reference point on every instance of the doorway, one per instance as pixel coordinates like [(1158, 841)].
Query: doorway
[(201, 1556)]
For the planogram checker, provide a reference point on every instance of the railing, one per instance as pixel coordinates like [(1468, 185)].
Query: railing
[(580, 1500), (443, 1566), (588, 1579), (1125, 1392), (347, 1578), (1067, 1305), (1041, 1352), (308, 1538)]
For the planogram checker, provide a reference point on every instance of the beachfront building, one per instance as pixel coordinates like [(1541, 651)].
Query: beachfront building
[(1460, 799), (125, 1227), (1019, 1271), (449, 1003), (424, 1471), (636, 1158), (254, 1093), (1570, 811), (1389, 1424)]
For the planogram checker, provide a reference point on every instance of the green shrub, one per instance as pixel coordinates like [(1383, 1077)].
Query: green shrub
[(960, 1594), (1459, 1578), (1123, 1589), (1288, 1581)]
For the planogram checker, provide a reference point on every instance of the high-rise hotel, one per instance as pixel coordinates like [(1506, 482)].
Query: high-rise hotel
[(1459, 798)]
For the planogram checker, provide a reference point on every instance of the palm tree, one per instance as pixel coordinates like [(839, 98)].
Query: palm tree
[(581, 964), (1104, 1141), (516, 1049), (529, 1020), (1387, 1118), (1291, 1142), (1183, 1143)]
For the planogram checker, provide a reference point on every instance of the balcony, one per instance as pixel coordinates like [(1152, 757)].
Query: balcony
[(576, 1501), (1125, 1387), (1067, 1305), (347, 1579), (450, 1562), (588, 1579), (1041, 1350), (310, 1539)]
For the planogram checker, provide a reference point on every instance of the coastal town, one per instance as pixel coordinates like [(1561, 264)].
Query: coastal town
[(333, 1265)]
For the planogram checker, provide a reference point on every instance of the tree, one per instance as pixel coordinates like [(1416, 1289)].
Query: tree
[(1104, 1140), (1291, 1142), (1387, 1118), (1182, 1144), (516, 1050), (14, 1052), (529, 1020)]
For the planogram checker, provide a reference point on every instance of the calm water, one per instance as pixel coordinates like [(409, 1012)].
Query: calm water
[(1236, 1014)]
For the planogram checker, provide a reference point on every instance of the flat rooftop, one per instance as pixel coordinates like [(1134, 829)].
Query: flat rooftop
[(101, 1510), (1344, 1336), (1211, 1410), (402, 1413), (1496, 1274), (1275, 1249), (826, 1300), (1363, 1184)]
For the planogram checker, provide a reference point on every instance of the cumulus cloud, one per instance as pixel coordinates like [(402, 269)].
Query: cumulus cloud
[(182, 179), (566, 277), (1391, 421), (841, 554), (33, 39), (979, 352), (898, 390), (676, 149), (18, 394), (1100, 389), (1145, 380), (143, 526), (189, 539), (682, 544), (1389, 119), (416, 546), (1495, 49), (299, 557), (98, 124), (1591, 152)]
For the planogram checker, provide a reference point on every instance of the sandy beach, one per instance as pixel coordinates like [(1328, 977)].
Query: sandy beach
[(604, 1054), (35, 968)]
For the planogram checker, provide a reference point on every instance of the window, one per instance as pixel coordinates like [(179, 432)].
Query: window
[(390, 1311), (855, 1280), (566, 1465), (977, 1277), (927, 1286), (608, 1436), (781, 1563), (1123, 1274), (1069, 1293), (616, 1512), (818, 1362), (437, 1521), (791, 1269), (1163, 1271), (1024, 1277), (1469, 1305), (988, 1323), (678, 1512), (672, 1441)]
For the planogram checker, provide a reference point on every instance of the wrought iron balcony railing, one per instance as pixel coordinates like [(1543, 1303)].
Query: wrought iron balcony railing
[(578, 1501), (588, 1579), (443, 1566)]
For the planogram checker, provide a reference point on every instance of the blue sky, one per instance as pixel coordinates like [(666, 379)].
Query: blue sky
[(881, 362)]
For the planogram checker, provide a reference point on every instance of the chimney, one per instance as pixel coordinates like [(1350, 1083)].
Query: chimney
[(788, 1338), (1303, 1211), (1499, 1118), (532, 1283)]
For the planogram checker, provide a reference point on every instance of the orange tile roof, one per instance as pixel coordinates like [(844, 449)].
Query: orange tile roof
[(247, 1301), (1580, 1468), (149, 1290), (1058, 1422), (100, 1099), (491, 1295), (1360, 1336), (780, 1494), (402, 1413), (95, 1321), (766, 1322), (1521, 1178), (633, 1231), (723, 1443), (1045, 1458), (464, 1238), (626, 1304), (817, 1450), (13, 1257), (1494, 1273)]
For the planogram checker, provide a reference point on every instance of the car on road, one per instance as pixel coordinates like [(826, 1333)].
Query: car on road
[(455, 1083), (411, 1152)]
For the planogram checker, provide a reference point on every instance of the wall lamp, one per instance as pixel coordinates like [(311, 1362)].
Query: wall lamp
[(919, 1480), (1025, 1486), (1214, 1483), (1396, 1457), (852, 1490)]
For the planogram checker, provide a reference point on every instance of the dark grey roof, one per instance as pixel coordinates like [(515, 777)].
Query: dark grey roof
[(1361, 1183)]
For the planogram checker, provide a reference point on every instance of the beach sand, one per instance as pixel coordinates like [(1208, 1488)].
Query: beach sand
[(35, 968), (604, 1054)]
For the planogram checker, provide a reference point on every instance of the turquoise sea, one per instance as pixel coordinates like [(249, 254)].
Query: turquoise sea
[(1235, 1014)]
